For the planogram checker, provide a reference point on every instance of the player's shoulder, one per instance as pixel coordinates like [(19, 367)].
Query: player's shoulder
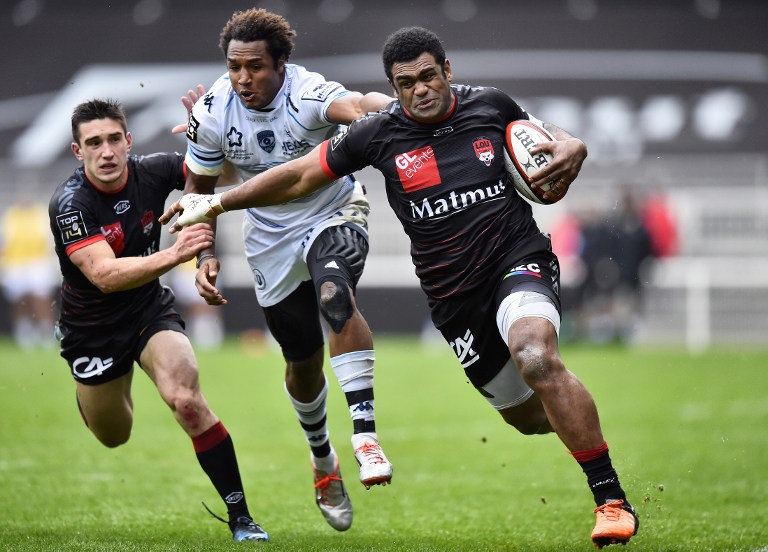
[(376, 120), (488, 94), (309, 86), (489, 100), (71, 193), (215, 100), (159, 168)]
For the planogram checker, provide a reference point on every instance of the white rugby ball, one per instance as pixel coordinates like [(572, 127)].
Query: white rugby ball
[(520, 137)]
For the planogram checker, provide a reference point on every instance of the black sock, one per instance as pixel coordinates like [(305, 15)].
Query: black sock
[(602, 479), (216, 454)]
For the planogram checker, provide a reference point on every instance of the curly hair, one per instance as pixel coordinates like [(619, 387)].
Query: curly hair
[(259, 24), (95, 109), (409, 43)]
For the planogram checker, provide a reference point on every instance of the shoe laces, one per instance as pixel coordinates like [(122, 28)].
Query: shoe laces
[(371, 452), (611, 510), (327, 491)]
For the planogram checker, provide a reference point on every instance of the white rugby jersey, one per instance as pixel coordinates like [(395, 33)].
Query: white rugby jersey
[(221, 127)]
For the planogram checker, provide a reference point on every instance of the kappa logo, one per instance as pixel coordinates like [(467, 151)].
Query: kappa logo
[(363, 407), (484, 150), (88, 367), (208, 101), (463, 349)]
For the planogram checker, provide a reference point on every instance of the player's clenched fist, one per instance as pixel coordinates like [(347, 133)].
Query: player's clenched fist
[(194, 208)]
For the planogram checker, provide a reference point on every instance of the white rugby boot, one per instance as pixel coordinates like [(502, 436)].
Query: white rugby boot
[(375, 469)]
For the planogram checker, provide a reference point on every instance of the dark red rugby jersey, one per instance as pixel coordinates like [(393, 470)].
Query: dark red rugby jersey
[(447, 184), (80, 215)]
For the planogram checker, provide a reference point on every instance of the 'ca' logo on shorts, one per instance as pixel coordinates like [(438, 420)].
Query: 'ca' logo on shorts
[(87, 367)]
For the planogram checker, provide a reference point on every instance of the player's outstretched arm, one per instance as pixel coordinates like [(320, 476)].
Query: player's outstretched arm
[(98, 263), (280, 184)]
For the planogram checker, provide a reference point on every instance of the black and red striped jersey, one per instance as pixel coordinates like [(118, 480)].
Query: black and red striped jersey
[(448, 186), (80, 214)]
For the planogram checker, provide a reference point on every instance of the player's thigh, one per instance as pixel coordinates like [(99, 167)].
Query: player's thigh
[(295, 324), (107, 405), (169, 360)]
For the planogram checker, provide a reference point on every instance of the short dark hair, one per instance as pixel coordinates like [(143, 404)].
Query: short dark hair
[(409, 43), (259, 24), (95, 109)]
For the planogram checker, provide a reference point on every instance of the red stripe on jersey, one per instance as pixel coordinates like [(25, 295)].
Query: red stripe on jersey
[(210, 438), (83, 243), (324, 163)]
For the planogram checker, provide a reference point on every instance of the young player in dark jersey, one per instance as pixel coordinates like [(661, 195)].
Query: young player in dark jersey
[(114, 312), (489, 273)]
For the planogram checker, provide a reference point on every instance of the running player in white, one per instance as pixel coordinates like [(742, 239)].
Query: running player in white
[(306, 255)]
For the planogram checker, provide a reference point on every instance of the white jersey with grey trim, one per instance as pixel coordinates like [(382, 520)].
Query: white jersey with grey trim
[(221, 127)]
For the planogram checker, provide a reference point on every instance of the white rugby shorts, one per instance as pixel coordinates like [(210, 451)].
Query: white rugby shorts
[(277, 255)]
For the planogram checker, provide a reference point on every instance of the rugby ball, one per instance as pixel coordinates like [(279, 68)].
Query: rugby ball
[(520, 137)]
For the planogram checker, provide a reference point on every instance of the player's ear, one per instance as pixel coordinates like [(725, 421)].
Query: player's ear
[(76, 150), (447, 70), (129, 140)]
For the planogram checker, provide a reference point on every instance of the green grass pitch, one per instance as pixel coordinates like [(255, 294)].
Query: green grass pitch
[(688, 435)]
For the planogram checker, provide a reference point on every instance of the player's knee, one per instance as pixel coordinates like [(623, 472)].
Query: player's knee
[(113, 437), (336, 303), (189, 408), (528, 418), (534, 361), (534, 424)]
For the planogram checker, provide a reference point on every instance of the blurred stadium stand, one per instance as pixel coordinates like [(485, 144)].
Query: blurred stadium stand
[(669, 96)]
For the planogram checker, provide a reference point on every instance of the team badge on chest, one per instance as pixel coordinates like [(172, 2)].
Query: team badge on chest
[(266, 139), (484, 150)]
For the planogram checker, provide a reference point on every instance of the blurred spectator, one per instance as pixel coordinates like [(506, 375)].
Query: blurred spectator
[(661, 225), (204, 321), (28, 279), (568, 243), (616, 250)]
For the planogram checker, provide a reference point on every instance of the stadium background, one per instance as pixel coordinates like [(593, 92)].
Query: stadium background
[(669, 96)]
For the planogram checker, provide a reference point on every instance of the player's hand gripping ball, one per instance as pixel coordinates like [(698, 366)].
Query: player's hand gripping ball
[(520, 137)]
